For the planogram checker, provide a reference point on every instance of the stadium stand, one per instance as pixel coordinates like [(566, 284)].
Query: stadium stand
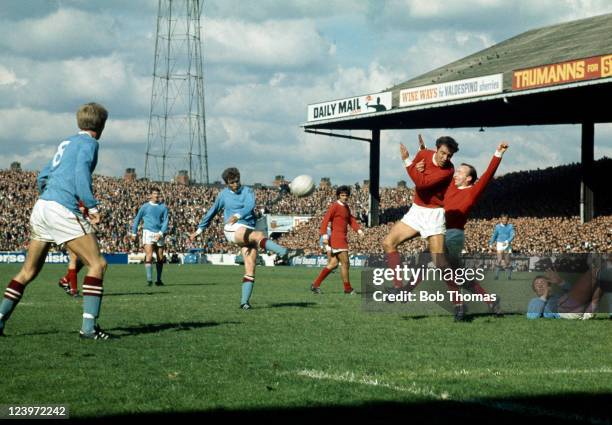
[(546, 218)]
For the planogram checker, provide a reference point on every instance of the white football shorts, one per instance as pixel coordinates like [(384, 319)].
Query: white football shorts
[(504, 247), (427, 221), (150, 238), (230, 230), (53, 222)]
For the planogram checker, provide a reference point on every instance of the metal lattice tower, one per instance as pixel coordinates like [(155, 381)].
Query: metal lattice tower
[(177, 132)]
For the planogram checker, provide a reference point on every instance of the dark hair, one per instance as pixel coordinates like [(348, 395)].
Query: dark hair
[(343, 189), (504, 215), (154, 189), (449, 142), (231, 173), (473, 174), (536, 278)]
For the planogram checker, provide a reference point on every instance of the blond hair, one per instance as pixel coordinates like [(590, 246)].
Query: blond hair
[(92, 116)]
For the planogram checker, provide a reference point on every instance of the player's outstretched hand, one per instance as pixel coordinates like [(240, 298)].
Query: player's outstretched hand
[(502, 147), (421, 143), (404, 152), (420, 166)]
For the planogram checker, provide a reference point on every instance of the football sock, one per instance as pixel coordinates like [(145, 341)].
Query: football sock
[(149, 270), (92, 299), (393, 261), (72, 279), (247, 288), (159, 266), (270, 245), (12, 295), (321, 277), (347, 286), (475, 288)]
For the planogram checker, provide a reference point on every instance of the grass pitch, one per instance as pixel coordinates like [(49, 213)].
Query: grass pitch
[(187, 349)]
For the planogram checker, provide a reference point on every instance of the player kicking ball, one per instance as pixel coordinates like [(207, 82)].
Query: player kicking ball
[(155, 216), (340, 217), (56, 218), (238, 203)]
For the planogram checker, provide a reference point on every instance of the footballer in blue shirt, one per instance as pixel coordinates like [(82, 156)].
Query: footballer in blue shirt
[(238, 203), (155, 216), (65, 187), (502, 238)]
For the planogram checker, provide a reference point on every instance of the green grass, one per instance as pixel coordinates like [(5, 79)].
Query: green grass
[(187, 348)]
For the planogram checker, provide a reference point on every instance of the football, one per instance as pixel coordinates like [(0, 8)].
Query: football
[(302, 186)]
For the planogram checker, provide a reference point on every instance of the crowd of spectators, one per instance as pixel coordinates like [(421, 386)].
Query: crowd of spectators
[(545, 218)]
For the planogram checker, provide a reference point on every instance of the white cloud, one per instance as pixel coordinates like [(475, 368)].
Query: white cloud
[(63, 33), (284, 44), (9, 78)]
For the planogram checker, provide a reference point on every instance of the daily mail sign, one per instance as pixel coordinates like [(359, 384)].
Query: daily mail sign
[(460, 89), (350, 106)]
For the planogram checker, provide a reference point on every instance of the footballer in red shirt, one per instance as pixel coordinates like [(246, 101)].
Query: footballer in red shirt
[(426, 215), (340, 217)]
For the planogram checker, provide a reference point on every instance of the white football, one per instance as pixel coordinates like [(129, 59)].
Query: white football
[(302, 186)]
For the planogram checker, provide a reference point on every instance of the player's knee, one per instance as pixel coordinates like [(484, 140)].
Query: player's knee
[(388, 244)]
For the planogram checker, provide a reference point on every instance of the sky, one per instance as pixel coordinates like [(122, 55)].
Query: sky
[(264, 62)]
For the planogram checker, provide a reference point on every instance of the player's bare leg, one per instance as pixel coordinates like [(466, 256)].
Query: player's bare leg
[(343, 258), (250, 237), (148, 248), (86, 248), (332, 263), (159, 265), (249, 256), (399, 233), (35, 259)]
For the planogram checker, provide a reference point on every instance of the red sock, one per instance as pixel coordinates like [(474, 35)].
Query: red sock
[(476, 288), (92, 286), (321, 277), (72, 279), (347, 286), (14, 291), (262, 243), (393, 261), (452, 286)]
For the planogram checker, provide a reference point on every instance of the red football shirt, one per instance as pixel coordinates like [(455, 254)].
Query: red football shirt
[(459, 202), (431, 184), (340, 217)]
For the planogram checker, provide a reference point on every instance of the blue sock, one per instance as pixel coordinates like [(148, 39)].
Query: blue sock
[(159, 266), (247, 289), (12, 295), (270, 245), (497, 272), (149, 270), (92, 299)]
